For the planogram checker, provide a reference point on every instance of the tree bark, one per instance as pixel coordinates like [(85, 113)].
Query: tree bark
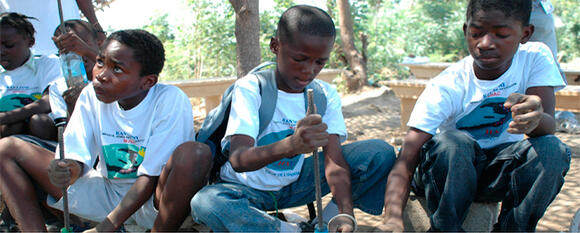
[(247, 35), (357, 76)]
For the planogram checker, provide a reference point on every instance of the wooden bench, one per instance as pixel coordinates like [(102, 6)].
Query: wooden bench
[(212, 89), (432, 69)]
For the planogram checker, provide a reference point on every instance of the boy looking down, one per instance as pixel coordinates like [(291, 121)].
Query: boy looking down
[(466, 139)]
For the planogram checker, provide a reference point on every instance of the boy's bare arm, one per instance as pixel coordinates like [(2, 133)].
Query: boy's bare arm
[(532, 113), (310, 133), (139, 193), (337, 172), (39, 106), (398, 183)]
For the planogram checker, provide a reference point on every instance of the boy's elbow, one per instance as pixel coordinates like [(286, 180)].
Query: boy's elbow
[(237, 165)]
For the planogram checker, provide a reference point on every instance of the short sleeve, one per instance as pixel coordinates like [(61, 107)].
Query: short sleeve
[(172, 126), (544, 71), (333, 116), (244, 117)]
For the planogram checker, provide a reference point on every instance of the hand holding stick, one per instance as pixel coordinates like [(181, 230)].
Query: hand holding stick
[(320, 225)]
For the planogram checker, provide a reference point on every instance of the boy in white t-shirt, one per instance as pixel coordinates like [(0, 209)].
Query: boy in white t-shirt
[(269, 170), (24, 81), (466, 137), (140, 131)]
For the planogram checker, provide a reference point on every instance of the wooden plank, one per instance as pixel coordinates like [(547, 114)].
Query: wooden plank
[(427, 70), (568, 99), (213, 88)]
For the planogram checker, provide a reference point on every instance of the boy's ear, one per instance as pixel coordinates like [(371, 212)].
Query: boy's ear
[(31, 42), (527, 32), (274, 45), (148, 81), (465, 30)]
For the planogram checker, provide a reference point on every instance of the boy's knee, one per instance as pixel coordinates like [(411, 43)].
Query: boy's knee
[(453, 137), (552, 152), (383, 151), (8, 146), (193, 153)]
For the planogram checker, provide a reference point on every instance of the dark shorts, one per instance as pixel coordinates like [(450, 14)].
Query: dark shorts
[(46, 144)]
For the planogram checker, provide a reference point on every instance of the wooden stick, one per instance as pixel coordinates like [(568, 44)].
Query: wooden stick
[(312, 110)]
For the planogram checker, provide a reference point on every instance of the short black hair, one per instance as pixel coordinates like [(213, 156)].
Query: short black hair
[(519, 9), (71, 23), (19, 22), (147, 49), (304, 19)]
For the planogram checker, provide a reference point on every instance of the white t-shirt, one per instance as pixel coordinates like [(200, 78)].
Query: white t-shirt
[(456, 99), (289, 110), (46, 11), (129, 143), (58, 108), (25, 84)]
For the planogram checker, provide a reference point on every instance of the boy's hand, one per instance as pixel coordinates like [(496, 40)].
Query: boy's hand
[(71, 42), (71, 95), (63, 173), (526, 111), (310, 133)]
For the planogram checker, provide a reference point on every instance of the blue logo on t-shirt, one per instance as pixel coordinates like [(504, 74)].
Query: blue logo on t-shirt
[(282, 164), (488, 120)]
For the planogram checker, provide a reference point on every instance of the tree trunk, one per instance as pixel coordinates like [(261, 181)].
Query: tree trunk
[(357, 76), (247, 35)]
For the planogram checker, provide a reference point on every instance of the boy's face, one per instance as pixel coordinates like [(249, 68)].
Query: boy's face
[(492, 40), (15, 48), (300, 61), (117, 78)]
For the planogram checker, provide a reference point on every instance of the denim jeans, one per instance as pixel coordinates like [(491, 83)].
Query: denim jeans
[(235, 207), (525, 176)]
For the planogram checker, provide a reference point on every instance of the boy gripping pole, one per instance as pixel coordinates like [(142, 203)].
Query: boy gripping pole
[(267, 169)]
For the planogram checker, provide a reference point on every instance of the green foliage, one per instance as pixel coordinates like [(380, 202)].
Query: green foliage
[(568, 34), (203, 45)]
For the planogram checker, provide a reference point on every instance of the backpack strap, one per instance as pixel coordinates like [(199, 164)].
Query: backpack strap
[(269, 93)]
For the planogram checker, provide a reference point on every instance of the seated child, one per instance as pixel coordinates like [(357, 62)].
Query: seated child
[(483, 129), (270, 171), (132, 125), (61, 99), (24, 79)]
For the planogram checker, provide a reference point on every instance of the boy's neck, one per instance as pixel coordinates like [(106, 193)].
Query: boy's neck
[(484, 74)]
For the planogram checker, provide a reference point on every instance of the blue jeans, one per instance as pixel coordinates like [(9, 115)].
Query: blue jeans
[(235, 207), (525, 176)]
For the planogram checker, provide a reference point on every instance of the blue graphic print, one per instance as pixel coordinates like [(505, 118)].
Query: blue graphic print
[(286, 164), (488, 120)]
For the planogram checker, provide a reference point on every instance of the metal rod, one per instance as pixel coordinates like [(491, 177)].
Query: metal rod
[(312, 110), (61, 132), (64, 190)]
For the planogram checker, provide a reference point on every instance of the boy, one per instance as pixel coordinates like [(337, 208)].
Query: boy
[(132, 125), (84, 38), (24, 79), (269, 171), (466, 135)]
